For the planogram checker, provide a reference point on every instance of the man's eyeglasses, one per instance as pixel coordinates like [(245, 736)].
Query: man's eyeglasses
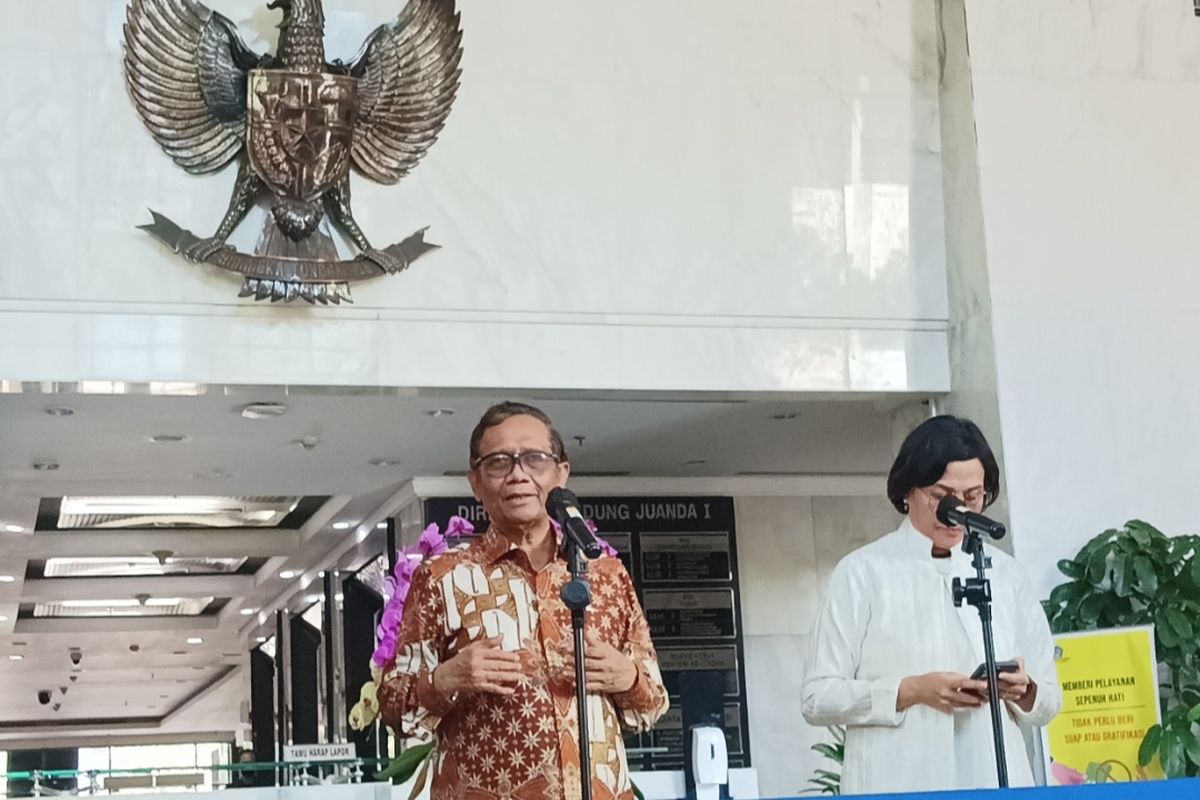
[(500, 465)]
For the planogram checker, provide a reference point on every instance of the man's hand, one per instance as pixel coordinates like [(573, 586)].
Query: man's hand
[(609, 671), (479, 667), (944, 691)]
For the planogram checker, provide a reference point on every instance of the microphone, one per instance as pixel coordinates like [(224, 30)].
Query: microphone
[(563, 507), (953, 512)]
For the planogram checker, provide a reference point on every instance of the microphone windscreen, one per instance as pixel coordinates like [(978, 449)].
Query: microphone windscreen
[(948, 504)]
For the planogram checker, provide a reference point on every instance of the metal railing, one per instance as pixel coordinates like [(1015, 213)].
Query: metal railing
[(245, 774)]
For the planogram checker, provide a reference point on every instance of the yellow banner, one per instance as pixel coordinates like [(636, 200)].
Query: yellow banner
[(1110, 698)]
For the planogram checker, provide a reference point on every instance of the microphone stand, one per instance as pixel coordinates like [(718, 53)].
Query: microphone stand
[(577, 596), (977, 592)]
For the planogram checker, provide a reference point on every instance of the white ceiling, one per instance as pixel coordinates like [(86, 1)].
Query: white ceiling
[(105, 448)]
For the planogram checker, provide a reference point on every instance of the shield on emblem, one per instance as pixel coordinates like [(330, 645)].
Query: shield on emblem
[(300, 126)]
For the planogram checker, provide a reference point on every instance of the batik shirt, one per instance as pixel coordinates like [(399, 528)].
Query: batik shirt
[(524, 746)]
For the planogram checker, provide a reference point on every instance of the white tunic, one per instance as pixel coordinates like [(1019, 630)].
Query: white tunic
[(889, 613)]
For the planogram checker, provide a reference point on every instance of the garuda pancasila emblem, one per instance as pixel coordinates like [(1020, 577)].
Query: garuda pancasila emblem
[(295, 124)]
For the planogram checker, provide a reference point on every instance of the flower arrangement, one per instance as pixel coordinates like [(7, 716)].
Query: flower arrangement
[(431, 543)]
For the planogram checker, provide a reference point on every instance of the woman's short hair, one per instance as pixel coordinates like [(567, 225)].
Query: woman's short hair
[(933, 445), (502, 411)]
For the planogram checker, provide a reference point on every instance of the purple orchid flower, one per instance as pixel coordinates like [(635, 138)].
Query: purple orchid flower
[(429, 544)]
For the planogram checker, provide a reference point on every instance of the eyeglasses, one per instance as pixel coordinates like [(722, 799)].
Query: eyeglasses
[(501, 465), (972, 499)]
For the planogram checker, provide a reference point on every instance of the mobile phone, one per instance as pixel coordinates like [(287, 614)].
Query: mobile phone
[(980, 672)]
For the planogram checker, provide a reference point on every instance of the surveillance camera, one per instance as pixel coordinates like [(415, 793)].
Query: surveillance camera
[(133, 648), (57, 706), (76, 656), (44, 697)]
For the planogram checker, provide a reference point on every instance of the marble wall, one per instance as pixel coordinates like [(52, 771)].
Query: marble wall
[(787, 548), (1086, 116), (681, 195)]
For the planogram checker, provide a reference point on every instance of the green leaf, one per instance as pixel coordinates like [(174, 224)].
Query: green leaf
[(1172, 754), (1120, 611), (1090, 608), (1101, 541), (1149, 747), (1067, 594), (828, 750), (1180, 624), (404, 766), (1097, 566), (1196, 570), (1166, 635), (1191, 745), (1139, 534), (1194, 714), (1072, 569), (1120, 583), (1137, 524), (1147, 580)]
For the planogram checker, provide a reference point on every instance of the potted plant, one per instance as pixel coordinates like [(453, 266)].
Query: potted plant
[(1138, 576), (826, 781)]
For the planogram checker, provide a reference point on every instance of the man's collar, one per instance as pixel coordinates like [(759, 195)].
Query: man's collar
[(493, 545)]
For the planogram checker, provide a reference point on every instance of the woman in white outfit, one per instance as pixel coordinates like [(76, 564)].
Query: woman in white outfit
[(891, 656)]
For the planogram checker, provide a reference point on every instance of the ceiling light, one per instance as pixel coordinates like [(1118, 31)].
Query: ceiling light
[(384, 462), (163, 602), (177, 388), (439, 412), (165, 511), (382, 526), (195, 640), (3, 618), (287, 574), (122, 603), (339, 597), (7, 579), (312, 598), (246, 612), (263, 410), (16, 657), (261, 639), (14, 529), (341, 526), (788, 415), (58, 411), (168, 438), (45, 466)]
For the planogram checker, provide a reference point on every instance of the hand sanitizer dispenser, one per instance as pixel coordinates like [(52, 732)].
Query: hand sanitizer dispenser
[(710, 761)]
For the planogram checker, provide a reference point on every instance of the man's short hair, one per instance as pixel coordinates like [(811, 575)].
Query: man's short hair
[(502, 411)]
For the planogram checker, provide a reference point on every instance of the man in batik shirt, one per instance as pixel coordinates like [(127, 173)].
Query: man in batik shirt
[(485, 656)]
